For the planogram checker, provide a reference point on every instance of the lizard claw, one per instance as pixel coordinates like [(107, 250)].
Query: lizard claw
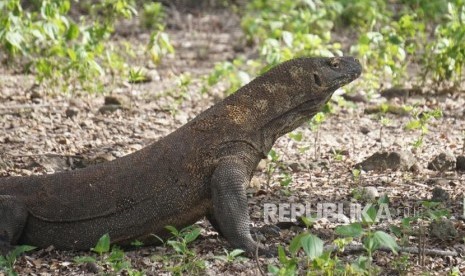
[(266, 230)]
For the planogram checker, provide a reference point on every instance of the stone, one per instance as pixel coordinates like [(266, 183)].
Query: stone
[(460, 163), (261, 165), (439, 195), (445, 161), (442, 229), (381, 161), (71, 112), (369, 193)]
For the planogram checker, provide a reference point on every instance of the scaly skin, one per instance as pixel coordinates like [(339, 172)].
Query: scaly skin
[(198, 170)]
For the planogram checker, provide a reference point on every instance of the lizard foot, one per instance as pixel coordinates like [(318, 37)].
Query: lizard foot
[(264, 232)]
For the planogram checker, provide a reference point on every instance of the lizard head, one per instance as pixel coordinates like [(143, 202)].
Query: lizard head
[(297, 89), (315, 79), (284, 97)]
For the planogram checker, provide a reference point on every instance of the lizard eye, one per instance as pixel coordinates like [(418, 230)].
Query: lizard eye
[(334, 63), (317, 79)]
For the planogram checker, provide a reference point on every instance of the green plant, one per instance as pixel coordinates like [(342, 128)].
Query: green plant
[(401, 264), (356, 174), (364, 14), (231, 256), (185, 258), (446, 54), (114, 258), (8, 261), (65, 53), (230, 72), (55, 47), (137, 75), (159, 45), (152, 15), (321, 262), (304, 29), (420, 122), (315, 124), (372, 241)]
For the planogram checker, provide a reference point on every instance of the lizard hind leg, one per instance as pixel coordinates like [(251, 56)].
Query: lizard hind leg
[(13, 215)]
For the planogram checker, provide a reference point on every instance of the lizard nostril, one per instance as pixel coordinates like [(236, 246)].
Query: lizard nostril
[(317, 79)]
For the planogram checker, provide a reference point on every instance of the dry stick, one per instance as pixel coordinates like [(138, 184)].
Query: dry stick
[(414, 250), (44, 154), (23, 106), (257, 262)]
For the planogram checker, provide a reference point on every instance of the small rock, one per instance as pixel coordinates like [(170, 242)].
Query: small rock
[(356, 98), (365, 130), (35, 95), (369, 193), (381, 161), (71, 112), (396, 92), (416, 168), (440, 182), (295, 167), (439, 195), (113, 100), (109, 108), (445, 161), (460, 163), (442, 229), (261, 165), (255, 183), (91, 267), (153, 75)]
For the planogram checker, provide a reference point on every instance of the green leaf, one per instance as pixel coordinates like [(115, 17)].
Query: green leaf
[(413, 124), (73, 32), (296, 136), (288, 38), (295, 243), (281, 255), (236, 252), (312, 245), (103, 245), (85, 259), (177, 246), (192, 235), (369, 216), (308, 221), (15, 39), (172, 230), (384, 239), (396, 230), (273, 269), (21, 249), (352, 230)]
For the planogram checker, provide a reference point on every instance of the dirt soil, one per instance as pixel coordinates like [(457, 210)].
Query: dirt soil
[(48, 132)]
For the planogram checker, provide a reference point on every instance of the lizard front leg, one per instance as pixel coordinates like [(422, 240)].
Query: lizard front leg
[(230, 205), (13, 216)]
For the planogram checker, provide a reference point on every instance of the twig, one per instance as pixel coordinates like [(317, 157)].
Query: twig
[(256, 259), (44, 154), (26, 106), (413, 250)]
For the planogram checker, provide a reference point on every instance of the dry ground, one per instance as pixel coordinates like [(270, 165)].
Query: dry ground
[(47, 132)]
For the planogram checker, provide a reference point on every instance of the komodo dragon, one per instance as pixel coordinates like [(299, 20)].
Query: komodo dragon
[(198, 170)]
